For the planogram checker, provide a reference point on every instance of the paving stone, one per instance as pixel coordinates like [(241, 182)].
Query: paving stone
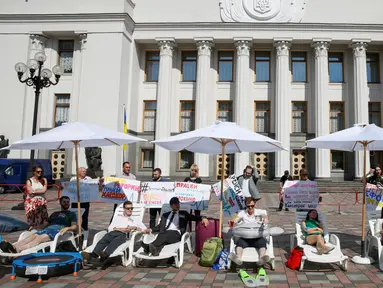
[(220, 277), (357, 277), (277, 277), (332, 277), (145, 279), (195, 276), (115, 275), (319, 282), (54, 285), (144, 286), (155, 275), (170, 276), (140, 275), (90, 274)]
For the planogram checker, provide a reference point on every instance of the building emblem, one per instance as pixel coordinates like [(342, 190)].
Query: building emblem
[(262, 10)]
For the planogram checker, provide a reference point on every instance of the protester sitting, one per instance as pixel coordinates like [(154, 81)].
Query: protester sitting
[(314, 232), (257, 217), (172, 226), (118, 233), (59, 222)]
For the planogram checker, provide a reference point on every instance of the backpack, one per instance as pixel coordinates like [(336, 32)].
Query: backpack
[(210, 251), (295, 258), (222, 261), (66, 246)]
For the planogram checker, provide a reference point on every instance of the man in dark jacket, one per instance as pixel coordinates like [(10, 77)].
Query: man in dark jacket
[(172, 226), (154, 211)]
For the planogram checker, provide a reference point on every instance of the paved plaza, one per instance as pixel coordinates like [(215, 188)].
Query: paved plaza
[(346, 225)]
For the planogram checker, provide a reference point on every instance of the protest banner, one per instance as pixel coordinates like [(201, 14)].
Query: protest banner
[(118, 190), (301, 194), (88, 191), (155, 194), (374, 198), (233, 199), (197, 195)]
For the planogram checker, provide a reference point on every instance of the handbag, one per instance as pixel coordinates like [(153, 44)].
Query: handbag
[(295, 258)]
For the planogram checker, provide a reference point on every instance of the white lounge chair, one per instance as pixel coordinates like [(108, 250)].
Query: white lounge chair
[(310, 252), (250, 255), (125, 250), (373, 236), (175, 250), (43, 247)]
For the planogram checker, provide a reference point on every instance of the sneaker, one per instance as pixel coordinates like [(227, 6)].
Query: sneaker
[(153, 250), (234, 257)]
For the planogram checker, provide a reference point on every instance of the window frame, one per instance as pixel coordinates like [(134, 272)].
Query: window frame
[(232, 66), (380, 111), (255, 115), (328, 62), (147, 62), (180, 115), (143, 116), (59, 105), (292, 119), (143, 150), (59, 50), (179, 160), (182, 65), (329, 115), (377, 54), (255, 65), (217, 109), (298, 61), (344, 160)]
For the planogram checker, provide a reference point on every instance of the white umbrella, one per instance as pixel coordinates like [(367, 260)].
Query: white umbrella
[(221, 138), (361, 137), (74, 135)]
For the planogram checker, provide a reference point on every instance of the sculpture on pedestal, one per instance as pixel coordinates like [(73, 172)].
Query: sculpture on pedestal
[(94, 161), (4, 143)]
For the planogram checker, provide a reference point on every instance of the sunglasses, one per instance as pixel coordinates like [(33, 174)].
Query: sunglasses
[(250, 206), (128, 208), (193, 170), (39, 171)]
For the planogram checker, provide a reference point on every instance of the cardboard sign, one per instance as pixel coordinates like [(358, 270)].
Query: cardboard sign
[(301, 194), (197, 195), (88, 191), (155, 194), (118, 190)]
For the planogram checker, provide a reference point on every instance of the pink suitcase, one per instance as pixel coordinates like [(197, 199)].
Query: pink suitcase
[(203, 233)]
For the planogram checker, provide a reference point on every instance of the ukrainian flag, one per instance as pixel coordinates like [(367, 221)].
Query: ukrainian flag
[(125, 126)]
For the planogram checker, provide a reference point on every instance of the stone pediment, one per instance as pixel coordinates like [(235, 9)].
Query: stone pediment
[(277, 11)]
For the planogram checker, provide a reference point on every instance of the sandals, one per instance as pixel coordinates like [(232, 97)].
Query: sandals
[(7, 247), (260, 280)]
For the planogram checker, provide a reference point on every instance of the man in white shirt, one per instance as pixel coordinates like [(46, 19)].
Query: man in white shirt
[(258, 217), (86, 205), (118, 233), (248, 183)]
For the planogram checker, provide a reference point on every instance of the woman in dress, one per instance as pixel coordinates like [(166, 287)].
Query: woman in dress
[(313, 230), (194, 178), (35, 203)]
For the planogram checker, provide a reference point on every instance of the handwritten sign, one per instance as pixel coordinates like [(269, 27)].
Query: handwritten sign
[(301, 194), (155, 194), (233, 199), (88, 191), (197, 195), (118, 190), (374, 197)]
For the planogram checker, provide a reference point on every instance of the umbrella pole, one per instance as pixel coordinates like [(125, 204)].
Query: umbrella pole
[(363, 243), (79, 219), (221, 198)]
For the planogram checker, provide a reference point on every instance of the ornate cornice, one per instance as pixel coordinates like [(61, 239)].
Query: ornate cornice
[(166, 47), (359, 49), (204, 47), (37, 41), (321, 48), (282, 47), (243, 47), (83, 39)]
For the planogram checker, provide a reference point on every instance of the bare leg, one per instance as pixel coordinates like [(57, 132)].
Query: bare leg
[(24, 242), (38, 239)]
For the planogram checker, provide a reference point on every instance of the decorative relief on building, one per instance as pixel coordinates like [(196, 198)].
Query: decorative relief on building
[(243, 47), (262, 10), (321, 48), (359, 49), (166, 47), (37, 42), (282, 47), (204, 47), (83, 39)]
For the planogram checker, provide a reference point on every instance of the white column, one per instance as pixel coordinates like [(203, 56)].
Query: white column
[(37, 44), (162, 156), (203, 97), (242, 88), (282, 105), (359, 48), (322, 123)]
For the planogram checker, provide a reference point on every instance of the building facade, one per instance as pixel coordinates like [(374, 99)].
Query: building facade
[(289, 69)]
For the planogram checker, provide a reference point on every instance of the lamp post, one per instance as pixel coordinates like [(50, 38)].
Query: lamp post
[(39, 78)]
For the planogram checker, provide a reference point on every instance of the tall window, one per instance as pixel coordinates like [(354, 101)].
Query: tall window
[(66, 48), (185, 159), (150, 110), (262, 66), (189, 66), (373, 75), (336, 116), (262, 116), (225, 111), (225, 66), (337, 160), (335, 67), (147, 158), (374, 113), (299, 66), (152, 66), (62, 109), (187, 116), (299, 117)]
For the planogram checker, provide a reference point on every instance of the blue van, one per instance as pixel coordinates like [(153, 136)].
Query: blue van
[(14, 171)]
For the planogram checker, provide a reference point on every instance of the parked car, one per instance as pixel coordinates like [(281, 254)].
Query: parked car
[(15, 171)]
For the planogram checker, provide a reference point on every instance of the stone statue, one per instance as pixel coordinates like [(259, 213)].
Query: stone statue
[(94, 161), (4, 143)]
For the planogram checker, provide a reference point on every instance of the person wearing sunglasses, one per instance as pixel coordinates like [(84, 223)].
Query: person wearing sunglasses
[(256, 217), (118, 233), (35, 204)]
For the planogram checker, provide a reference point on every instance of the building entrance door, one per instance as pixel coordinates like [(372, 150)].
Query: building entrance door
[(261, 164), (299, 162), (228, 166)]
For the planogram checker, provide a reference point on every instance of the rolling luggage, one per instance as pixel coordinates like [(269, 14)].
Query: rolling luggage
[(203, 233)]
